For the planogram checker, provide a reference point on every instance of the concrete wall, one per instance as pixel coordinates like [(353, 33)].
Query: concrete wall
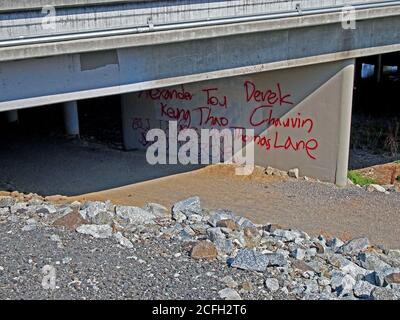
[(314, 101)]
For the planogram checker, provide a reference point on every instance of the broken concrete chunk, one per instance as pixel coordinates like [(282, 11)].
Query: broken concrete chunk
[(96, 231)]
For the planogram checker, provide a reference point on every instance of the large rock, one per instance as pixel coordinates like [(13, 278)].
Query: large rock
[(248, 259), (158, 210), (125, 242), (294, 173), (342, 283), (92, 208), (375, 187), (188, 206), (286, 235), (385, 294), (393, 278), (6, 201), (371, 261), (71, 220), (219, 215), (96, 231), (355, 246), (251, 259), (346, 266), (135, 215), (363, 289), (243, 222), (298, 254), (215, 234), (204, 250), (103, 217)]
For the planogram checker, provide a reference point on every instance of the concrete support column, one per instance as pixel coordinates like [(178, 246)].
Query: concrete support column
[(345, 124), (71, 119), (12, 116)]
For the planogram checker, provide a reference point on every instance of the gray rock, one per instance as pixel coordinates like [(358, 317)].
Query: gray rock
[(215, 234), (355, 246), (218, 215), (224, 246), (125, 242), (294, 173), (135, 215), (188, 206), (92, 208), (371, 261), (96, 231), (394, 254), (178, 216), (229, 294), (103, 217), (271, 284), (285, 235), (375, 187), (311, 286), (4, 211), (342, 283), (248, 259), (157, 210), (379, 277), (346, 266), (6, 201), (276, 260), (243, 222), (334, 243), (298, 253), (363, 289), (200, 228), (385, 294)]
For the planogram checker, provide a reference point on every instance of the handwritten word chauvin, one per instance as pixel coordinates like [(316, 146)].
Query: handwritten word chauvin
[(261, 115)]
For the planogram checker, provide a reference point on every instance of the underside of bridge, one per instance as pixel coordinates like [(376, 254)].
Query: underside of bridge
[(301, 117)]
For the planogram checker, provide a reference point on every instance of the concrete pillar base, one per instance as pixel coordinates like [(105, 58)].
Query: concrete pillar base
[(71, 119)]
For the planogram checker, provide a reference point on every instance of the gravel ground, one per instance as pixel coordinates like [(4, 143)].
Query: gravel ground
[(102, 269)]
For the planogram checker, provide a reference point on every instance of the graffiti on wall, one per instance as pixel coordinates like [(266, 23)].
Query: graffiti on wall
[(269, 111)]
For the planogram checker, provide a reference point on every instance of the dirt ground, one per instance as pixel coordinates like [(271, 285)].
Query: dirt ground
[(314, 207), (384, 174)]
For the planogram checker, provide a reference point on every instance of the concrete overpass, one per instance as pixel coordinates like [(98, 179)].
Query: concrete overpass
[(99, 48)]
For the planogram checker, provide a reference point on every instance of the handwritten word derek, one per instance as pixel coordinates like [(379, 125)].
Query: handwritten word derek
[(269, 96)]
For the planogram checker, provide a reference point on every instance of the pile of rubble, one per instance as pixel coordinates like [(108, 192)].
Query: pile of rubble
[(290, 261)]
